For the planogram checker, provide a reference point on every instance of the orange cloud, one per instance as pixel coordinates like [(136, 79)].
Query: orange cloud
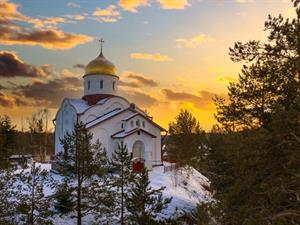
[(203, 99), (12, 33), (173, 4), (152, 57), (195, 41), (51, 39), (132, 5), (136, 80), (107, 15), (10, 102)]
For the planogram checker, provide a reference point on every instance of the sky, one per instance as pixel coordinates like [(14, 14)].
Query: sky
[(169, 54)]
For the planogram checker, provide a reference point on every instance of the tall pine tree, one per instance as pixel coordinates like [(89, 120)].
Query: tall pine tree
[(34, 205), (254, 159), (83, 165), (144, 203), (121, 163)]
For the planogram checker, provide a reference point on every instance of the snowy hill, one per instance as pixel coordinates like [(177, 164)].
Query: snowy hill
[(187, 187)]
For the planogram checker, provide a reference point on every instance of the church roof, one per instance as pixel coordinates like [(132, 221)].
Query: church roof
[(123, 133), (104, 117), (79, 104)]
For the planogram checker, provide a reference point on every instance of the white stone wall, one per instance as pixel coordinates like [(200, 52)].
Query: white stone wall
[(66, 117), (95, 88)]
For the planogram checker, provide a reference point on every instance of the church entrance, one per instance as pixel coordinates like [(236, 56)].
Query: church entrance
[(138, 150)]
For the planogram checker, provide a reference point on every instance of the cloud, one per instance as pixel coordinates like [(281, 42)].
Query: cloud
[(107, 15), (153, 57), (202, 99), (136, 80), (194, 41), (12, 66), (79, 66), (48, 22), (173, 4), (139, 98), (12, 33), (9, 102), (76, 16), (226, 79), (132, 5), (50, 93), (73, 5)]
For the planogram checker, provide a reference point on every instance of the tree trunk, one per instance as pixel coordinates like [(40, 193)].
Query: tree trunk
[(122, 197)]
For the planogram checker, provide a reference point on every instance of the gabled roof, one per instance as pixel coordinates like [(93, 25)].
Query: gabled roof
[(104, 117), (149, 119), (123, 133)]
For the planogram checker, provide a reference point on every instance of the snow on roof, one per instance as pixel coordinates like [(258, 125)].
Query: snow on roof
[(103, 117), (130, 116), (79, 104), (123, 133)]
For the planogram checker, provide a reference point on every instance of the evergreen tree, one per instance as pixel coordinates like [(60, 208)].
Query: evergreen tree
[(185, 139), (254, 158), (83, 165), (8, 192), (143, 202), (34, 206), (64, 202), (122, 164), (7, 140)]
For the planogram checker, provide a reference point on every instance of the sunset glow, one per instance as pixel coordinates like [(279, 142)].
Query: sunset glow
[(169, 54)]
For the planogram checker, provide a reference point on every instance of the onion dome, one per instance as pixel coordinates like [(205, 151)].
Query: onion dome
[(100, 65)]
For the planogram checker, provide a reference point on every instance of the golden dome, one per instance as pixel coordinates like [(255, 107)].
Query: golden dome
[(100, 65)]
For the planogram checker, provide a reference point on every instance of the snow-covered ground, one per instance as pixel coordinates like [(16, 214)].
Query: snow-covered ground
[(186, 187)]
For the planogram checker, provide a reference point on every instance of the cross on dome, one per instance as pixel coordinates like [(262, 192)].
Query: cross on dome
[(101, 41)]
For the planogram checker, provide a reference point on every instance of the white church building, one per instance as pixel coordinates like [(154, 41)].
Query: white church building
[(109, 117)]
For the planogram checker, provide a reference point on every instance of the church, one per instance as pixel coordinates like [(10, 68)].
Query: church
[(109, 117)]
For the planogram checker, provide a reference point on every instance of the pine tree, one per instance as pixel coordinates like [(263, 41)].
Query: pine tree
[(83, 165), (254, 158), (143, 202), (64, 202), (7, 140), (8, 192), (122, 164), (185, 139), (34, 205)]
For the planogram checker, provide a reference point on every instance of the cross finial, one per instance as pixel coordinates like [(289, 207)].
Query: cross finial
[(101, 41)]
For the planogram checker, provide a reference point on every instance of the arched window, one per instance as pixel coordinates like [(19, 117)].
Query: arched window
[(101, 84), (113, 85), (131, 123), (89, 84), (143, 123), (137, 123)]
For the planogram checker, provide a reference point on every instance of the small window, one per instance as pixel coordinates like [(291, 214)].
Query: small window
[(137, 123), (89, 84), (122, 125), (131, 123), (113, 85), (143, 123), (101, 84)]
